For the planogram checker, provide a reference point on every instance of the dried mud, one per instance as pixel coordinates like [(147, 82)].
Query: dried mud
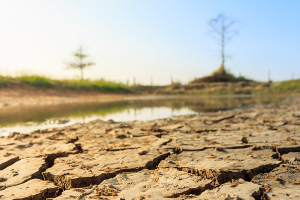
[(252, 154)]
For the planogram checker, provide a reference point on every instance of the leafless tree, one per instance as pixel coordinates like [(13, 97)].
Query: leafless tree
[(79, 62), (223, 33)]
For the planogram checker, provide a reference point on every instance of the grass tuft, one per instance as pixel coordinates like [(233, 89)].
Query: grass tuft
[(5, 81), (38, 81), (291, 86), (44, 82), (97, 85)]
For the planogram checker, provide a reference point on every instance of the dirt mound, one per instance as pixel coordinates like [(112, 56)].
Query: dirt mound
[(221, 75)]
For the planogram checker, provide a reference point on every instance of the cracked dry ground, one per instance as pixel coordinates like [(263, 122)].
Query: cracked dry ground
[(241, 154)]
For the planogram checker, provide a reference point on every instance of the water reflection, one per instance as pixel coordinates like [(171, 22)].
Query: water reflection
[(29, 118)]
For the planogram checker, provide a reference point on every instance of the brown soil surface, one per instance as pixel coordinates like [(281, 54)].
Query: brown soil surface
[(28, 95), (206, 88), (237, 154)]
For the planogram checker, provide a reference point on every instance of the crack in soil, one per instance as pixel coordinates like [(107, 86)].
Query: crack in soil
[(220, 177), (65, 182)]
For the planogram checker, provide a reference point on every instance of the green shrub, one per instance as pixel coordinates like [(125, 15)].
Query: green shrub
[(291, 86), (6, 81), (37, 81), (98, 85), (44, 82), (3, 81), (220, 75)]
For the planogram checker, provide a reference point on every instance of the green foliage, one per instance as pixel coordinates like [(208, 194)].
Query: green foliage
[(221, 70), (4, 81), (44, 82), (292, 86), (242, 78), (98, 85), (176, 85), (37, 81), (220, 75)]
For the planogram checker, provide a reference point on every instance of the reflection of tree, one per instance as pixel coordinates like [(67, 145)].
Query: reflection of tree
[(83, 119), (42, 113), (216, 104), (151, 111), (204, 104)]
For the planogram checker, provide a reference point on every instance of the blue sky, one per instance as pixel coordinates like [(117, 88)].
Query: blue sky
[(149, 38)]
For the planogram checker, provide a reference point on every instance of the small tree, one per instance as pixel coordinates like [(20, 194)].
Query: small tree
[(79, 61), (223, 32)]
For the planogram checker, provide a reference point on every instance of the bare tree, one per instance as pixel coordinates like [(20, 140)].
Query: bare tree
[(223, 33), (79, 62)]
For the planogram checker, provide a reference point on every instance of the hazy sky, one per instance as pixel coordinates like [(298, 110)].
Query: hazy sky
[(144, 38)]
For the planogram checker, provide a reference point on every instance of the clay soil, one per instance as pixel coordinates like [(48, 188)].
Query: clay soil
[(28, 95), (250, 154)]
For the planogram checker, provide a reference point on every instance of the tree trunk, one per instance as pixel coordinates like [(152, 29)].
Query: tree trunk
[(222, 67)]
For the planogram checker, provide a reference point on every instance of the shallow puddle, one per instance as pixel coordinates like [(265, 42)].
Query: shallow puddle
[(25, 119)]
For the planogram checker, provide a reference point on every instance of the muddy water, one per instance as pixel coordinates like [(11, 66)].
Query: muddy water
[(28, 118)]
